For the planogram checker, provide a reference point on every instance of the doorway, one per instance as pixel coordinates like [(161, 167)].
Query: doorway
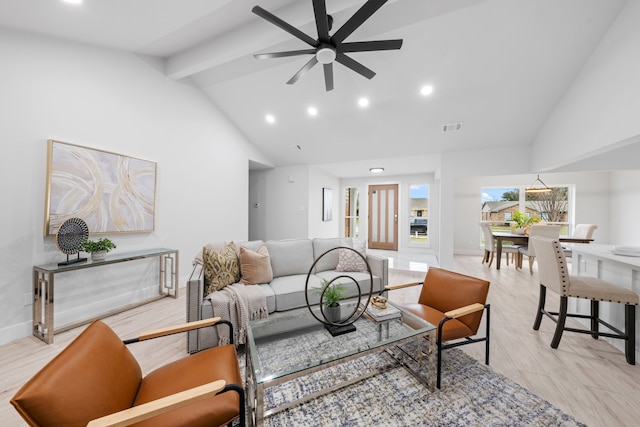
[(383, 217)]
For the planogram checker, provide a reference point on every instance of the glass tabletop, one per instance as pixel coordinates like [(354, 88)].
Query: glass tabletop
[(291, 343)]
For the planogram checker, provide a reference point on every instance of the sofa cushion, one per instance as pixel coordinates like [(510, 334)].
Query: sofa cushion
[(290, 257), (329, 261), (251, 245), (255, 266), (350, 260), (220, 268), (290, 291), (352, 289)]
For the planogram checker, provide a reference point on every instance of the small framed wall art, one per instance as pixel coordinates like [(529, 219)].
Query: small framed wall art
[(111, 192), (327, 204)]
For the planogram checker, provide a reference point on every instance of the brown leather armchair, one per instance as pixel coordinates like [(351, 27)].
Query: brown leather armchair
[(455, 303), (97, 378)]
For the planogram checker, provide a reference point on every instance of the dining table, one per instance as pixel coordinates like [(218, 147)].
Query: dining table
[(523, 239)]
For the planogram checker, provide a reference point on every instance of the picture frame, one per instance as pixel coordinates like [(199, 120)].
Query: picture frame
[(327, 204), (111, 192)]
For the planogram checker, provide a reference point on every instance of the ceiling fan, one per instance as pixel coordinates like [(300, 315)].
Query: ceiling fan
[(329, 48)]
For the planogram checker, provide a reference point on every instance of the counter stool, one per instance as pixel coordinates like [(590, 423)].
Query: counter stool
[(553, 273)]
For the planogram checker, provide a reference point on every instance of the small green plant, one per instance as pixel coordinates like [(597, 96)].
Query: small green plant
[(333, 294), (520, 218), (102, 244)]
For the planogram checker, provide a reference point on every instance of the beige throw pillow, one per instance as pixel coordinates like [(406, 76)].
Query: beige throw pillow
[(220, 268), (349, 260), (255, 266)]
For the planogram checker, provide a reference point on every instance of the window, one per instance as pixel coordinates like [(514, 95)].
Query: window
[(418, 213), (552, 207), (499, 204), (351, 212)]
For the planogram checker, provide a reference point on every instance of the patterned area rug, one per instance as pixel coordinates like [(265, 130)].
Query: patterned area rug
[(471, 395)]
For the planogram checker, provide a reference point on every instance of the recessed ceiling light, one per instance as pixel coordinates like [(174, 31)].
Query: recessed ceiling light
[(426, 90), (376, 170), (312, 111), (73, 1), (270, 118), (363, 102)]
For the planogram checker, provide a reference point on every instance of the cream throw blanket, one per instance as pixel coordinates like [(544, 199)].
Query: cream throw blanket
[(237, 303)]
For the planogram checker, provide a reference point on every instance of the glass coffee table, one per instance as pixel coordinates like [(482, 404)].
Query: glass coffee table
[(285, 347)]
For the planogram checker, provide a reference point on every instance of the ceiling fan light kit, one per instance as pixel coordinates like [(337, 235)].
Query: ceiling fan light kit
[(327, 49)]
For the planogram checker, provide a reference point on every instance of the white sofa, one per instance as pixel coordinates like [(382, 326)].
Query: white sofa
[(291, 261)]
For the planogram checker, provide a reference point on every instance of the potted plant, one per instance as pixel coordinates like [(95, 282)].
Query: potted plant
[(331, 295), (523, 223), (97, 249)]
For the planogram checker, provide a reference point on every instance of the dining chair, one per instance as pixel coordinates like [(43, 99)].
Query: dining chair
[(582, 231), (554, 274), (96, 381), (490, 246), (455, 303), (543, 230)]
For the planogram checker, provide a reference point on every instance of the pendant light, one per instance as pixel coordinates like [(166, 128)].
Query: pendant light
[(538, 187)]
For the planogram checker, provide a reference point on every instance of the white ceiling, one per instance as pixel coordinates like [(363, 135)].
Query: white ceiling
[(497, 66)]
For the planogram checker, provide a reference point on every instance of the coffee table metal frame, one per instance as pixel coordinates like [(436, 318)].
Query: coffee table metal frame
[(256, 385)]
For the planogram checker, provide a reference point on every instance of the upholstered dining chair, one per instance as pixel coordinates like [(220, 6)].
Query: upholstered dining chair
[(490, 246), (454, 303), (582, 231), (543, 230), (553, 272), (96, 381)]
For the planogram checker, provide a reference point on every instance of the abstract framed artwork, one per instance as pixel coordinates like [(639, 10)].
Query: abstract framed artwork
[(111, 192), (327, 204)]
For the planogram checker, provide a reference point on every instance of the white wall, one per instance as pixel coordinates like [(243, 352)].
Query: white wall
[(602, 106), (624, 208), (289, 200), (117, 102), (282, 195), (318, 179)]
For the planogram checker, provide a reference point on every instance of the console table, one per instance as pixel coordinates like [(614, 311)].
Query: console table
[(43, 286)]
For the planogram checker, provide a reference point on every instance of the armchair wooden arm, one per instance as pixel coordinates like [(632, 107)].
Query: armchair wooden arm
[(175, 329), (404, 285), (159, 406), (463, 311)]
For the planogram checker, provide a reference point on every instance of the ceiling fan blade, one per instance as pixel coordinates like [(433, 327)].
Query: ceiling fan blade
[(355, 65), (284, 54), (301, 72), (322, 21), (364, 13), (370, 46), (328, 76), (284, 25)]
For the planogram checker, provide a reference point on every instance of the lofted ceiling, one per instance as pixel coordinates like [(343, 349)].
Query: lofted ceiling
[(497, 66)]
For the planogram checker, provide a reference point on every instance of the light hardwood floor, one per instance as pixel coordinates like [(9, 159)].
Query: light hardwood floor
[(586, 378)]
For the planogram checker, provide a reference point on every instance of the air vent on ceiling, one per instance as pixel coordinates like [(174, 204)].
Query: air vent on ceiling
[(452, 127)]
